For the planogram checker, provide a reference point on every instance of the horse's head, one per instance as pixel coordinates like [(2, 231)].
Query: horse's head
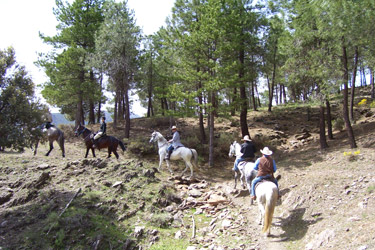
[(232, 149), (154, 137), (79, 130)]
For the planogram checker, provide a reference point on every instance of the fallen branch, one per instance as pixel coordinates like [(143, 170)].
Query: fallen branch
[(193, 233), (66, 207)]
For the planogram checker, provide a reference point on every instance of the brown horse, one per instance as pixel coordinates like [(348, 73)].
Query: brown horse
[(106, 141)]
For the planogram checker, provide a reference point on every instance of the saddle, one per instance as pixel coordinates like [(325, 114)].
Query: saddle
[(267, 179), (244, 162)]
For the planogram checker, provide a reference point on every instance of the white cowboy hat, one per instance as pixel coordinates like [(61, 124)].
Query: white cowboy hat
[(266, 151), (246, 138), (174, 127)]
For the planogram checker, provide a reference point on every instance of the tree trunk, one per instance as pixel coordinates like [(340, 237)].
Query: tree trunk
[(253, 95), (150, 110), (233, 107), (211, 128), (115, 116), (100, 100), (79, 112), (271, 87), (201, 120), (322, 129), (127, 112), (329, 120), (345, 79), (354, 74), (243, 97), (372, 83)]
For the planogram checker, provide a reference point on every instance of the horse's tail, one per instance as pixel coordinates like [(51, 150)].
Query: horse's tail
[(195, 156), (271, 199), (121, 145)]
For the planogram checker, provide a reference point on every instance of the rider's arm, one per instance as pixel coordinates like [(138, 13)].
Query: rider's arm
[(256, 165), (274, 166)]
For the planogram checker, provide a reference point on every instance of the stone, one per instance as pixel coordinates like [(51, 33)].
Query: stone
[(195, 193)]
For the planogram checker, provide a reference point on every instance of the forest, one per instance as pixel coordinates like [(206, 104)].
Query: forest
[(213, 58)]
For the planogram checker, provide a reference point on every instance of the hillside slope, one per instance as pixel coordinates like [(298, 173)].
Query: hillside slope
[(328, 196)]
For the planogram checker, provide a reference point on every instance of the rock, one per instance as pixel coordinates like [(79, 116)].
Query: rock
[(320, 240), (226, 224), (191, 248), (117, 183), (150, 173), (195, 193), (5, 197), (178, 235), (354, 218), (43, 166), (138, 231)]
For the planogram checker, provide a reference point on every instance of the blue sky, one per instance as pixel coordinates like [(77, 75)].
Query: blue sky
[(22, 20)]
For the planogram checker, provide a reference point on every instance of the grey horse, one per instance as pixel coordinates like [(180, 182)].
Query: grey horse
[(53, 134)]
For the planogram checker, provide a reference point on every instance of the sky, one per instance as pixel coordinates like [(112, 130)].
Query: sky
[(22, 20)]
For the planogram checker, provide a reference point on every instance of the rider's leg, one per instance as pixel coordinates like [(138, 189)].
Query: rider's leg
[(235, 168), (277, 185), (170, 150), (253, 183), (96, 138)]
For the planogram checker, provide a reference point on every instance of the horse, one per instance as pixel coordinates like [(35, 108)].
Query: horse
[(190, 156), (267, 195), (106, 141), (53, 134), (245, 169)]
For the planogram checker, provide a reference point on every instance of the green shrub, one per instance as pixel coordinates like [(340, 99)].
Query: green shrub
[(141, 148), (161, 220), (338, 124)]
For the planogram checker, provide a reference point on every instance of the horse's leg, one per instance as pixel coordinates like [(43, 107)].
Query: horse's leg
[(116, 154), (93, 152), (61, 144), (169, 167), (186, 167), (261, 211), (241, 178), (87, 152), (235, 178), (160, 162), (50, 147), (191, 169), (109, 152)]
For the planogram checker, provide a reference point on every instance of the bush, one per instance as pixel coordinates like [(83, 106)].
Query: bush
[(68, 130), (338, 124), (141, 148), (161, 220)]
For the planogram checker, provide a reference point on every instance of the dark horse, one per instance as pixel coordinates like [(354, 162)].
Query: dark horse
[(106, 141), (53, 134)]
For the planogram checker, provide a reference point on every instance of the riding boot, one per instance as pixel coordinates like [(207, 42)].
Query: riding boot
[(169, 155)]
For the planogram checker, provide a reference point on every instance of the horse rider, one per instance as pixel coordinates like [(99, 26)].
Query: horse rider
[(266, 167), (247, 149), (175, 142), (102, 131)]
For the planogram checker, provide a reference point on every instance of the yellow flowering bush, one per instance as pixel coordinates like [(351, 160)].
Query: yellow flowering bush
[(362, 102), (352, 156)]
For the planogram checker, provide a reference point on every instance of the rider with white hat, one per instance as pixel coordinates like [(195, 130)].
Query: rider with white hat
[(266, 167), (175, 142)]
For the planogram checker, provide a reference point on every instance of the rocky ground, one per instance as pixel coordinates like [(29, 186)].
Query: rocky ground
[(328, 197)]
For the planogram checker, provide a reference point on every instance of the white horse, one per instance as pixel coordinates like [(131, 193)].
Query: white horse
[(190, 156), (245, 170), (267, 195)]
